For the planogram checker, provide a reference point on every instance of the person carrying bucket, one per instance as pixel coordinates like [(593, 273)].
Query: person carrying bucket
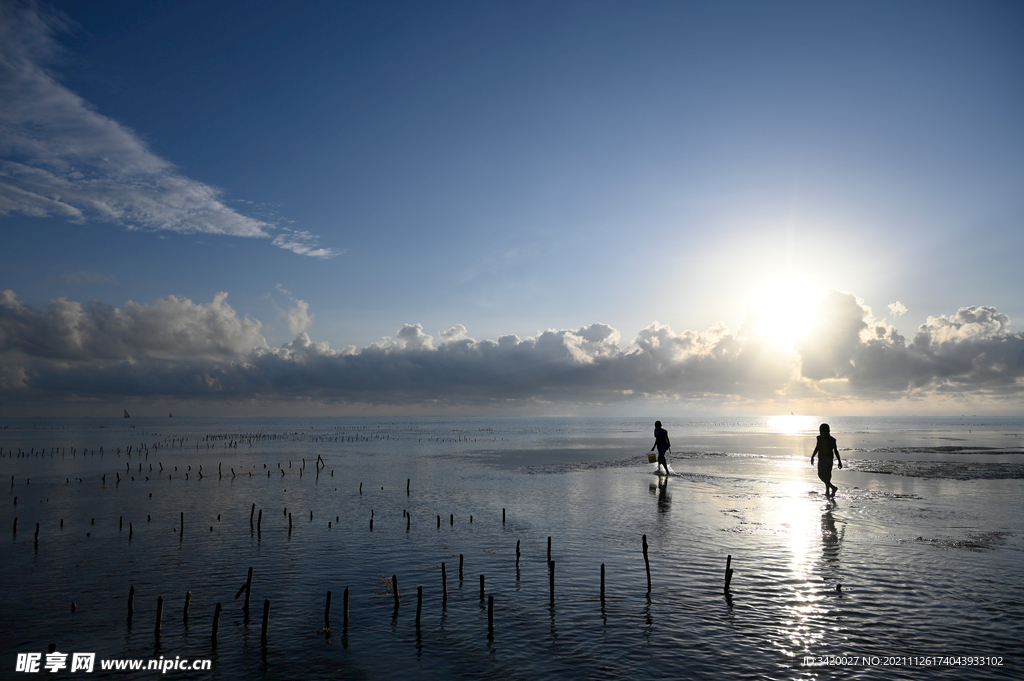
[(662, 443)]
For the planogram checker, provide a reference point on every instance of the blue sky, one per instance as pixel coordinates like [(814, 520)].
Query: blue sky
[(635, 179)]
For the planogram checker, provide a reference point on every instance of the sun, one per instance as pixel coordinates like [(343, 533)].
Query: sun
[(783, 310)]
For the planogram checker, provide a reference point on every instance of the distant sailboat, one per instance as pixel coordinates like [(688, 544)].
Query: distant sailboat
[(170, 415), (126, 414)]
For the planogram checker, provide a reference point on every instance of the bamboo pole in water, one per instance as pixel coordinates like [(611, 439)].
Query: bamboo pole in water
[(551, 565), (216, 623), (602, 585), (647, 564)]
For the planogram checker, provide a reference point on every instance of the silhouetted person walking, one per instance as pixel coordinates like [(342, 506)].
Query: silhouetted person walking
[(662, 443), (825, 450)]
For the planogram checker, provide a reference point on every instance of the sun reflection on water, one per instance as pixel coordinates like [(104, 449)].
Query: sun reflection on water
[(793, 424), (813, 543)]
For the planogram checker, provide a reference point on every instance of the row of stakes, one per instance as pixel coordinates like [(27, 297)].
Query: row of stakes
[(247, 586), (246, 590), (321, 465), (258, 527), (408, 516)]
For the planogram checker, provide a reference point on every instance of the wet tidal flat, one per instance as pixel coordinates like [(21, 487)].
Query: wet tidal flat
[(900, 565)]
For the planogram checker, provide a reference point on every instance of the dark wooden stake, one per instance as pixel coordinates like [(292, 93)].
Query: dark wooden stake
[(408, 482), (246, 589), (461, 561), (216, 623), (502, 516), (551, 579), (131, 603), (444, 581), (327, 611), (602, 584), (184, 614), (647, 564), (549, 549), (728, 573), (419, 604), (394, 584), (481, 588)]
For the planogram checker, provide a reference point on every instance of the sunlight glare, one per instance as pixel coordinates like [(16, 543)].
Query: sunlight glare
[(793, 424), (783, 310)]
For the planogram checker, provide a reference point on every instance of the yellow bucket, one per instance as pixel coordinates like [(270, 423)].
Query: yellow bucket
[(651, 458)]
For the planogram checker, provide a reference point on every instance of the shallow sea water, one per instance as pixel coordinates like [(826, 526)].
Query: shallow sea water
[(912, 559)]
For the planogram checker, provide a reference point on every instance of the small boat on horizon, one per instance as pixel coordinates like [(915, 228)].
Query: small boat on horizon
[(126, 414)]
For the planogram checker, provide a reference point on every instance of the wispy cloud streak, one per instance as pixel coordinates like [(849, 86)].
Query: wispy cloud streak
[(60, 157)]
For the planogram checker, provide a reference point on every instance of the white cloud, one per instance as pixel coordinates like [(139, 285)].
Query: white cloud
[(177, 348), (896, 309), (303, 243), (970, 351), (171, 329), (411, 336), (457, 332), (299, 318), (60, 157), (968, 324)]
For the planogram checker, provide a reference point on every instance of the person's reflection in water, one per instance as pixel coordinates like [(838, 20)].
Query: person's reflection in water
[(830, 541), (660, 489)]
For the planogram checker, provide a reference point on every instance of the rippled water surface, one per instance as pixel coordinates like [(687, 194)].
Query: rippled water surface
[(919, 554)]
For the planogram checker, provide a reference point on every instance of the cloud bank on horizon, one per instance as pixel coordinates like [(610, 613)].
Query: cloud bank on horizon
[(59, 157), (189, 352)]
